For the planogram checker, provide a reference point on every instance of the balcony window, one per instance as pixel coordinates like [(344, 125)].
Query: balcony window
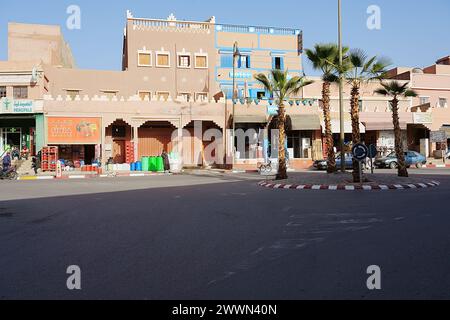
[(163, 59), (201, 61), (2, 92), (201, 97), (424, 100), (144, 58), (185, 95), (72, 94), (442, 103), (109, 94), (145, 95), (278, 63), (20, 92), (244, 62), (184, 61), (162, 96)]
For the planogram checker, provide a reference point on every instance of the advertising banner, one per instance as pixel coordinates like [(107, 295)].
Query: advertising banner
[(74, 130)]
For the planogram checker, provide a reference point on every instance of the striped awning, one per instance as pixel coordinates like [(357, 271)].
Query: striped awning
[(304, 122), (250, 119), (336, 127), (381, 126)]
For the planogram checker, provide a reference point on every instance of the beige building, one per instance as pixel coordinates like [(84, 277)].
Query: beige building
[(174, 94)]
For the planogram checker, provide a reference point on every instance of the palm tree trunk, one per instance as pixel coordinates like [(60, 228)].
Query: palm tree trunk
[(282, 170), (356, 134), (331, 165), (402, 170)]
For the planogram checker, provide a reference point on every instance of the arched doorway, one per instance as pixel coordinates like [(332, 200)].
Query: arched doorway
[(119, 141), (155, 137)]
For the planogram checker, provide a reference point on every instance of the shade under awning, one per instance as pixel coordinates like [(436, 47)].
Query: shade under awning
[(304, 122), (446, 129), (336, 127), (381, 126), (251, 119)]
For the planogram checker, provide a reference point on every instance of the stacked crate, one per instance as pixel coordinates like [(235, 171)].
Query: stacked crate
[(129, 151), (49, 158)]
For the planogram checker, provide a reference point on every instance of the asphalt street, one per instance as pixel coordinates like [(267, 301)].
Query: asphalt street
[(221, 237)]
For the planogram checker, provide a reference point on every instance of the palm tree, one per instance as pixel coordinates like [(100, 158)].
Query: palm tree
[(325, 57), (359, 69), (395, 90), (281, 87)]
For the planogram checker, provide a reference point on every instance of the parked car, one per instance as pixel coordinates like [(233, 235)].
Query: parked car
[(323, 164), (412, 158), (448, 154)]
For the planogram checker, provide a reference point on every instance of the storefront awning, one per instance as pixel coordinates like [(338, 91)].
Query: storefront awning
[(305, 122), (383, 126), (336, 127), (251, 119)]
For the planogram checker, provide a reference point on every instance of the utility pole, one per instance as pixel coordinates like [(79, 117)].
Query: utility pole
[(341, 88), (236, 54)]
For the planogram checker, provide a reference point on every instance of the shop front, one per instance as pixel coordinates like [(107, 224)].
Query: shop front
[(78, 139), (20, 126)]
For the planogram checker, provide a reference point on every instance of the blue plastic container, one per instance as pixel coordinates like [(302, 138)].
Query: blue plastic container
[(138, 166), (133, 166)]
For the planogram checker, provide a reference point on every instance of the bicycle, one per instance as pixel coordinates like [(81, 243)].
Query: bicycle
[(265, 167), (10, 174)]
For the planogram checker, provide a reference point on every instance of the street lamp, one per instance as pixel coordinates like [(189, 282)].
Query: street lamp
[(341, 89), (236, 54)]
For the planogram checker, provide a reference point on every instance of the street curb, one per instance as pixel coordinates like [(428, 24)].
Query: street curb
[(436, 166), (343, 187), (89, 176)]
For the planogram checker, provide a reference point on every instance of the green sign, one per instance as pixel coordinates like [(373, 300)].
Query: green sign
[(17, 106)]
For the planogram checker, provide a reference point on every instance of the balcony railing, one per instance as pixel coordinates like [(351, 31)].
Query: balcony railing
[(256, 29), (156, 23)]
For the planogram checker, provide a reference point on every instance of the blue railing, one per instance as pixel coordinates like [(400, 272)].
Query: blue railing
[(256, 29)]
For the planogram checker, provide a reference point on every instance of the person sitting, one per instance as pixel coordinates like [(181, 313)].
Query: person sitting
[(6, 162), (25, 153), (15, 154)]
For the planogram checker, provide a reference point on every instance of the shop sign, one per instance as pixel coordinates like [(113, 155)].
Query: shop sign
[(422, 118), (17, 106), (438, 136), (73, 130)]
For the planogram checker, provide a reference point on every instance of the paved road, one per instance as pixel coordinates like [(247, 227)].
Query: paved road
[(221, 237)]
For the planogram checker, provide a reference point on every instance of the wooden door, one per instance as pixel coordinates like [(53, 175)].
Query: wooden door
[(119, 151)]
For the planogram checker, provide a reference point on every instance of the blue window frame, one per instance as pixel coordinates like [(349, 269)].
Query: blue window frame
[(244, 62), (278, 63), (226, 61)]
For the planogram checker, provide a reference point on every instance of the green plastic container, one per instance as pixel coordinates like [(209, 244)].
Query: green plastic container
[(159, 164), (153, 166), (145, 164)]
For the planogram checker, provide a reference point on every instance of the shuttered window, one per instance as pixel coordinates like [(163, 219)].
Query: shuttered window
[(144, 59), (162, 60), (201, 61)]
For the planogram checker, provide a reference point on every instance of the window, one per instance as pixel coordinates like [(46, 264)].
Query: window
[(278, 63), (144, 58), (110, 94), (2, 92), (184, 61), (144, 95), (201, 61), (72, 93), (185, 95), (424, 100), (163, 59), (162, 96), (442, 103), (361, 106), (201, 97), (244, 62), (20, 92)]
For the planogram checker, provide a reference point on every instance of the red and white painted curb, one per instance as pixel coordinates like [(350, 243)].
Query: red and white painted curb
[(343, 187), (436, 166)]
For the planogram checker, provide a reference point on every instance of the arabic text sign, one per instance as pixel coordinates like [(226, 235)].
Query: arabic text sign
[(72, 130), (17, 106)]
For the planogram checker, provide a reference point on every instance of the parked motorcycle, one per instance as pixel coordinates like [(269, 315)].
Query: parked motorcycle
[(10, 174)]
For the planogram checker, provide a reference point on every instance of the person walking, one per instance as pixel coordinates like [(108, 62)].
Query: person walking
[(166, 161)]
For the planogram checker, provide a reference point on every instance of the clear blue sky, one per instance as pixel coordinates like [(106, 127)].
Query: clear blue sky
[(413, 33)]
